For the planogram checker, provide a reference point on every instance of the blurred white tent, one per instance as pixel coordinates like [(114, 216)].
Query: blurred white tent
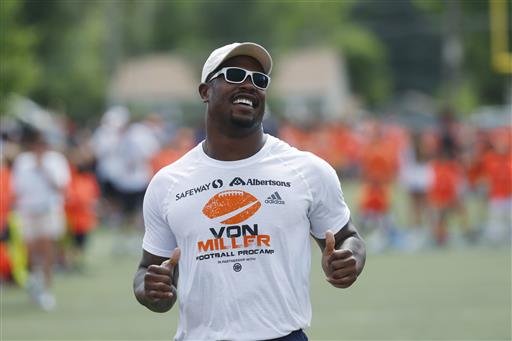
[(163, 81), (312, 82)]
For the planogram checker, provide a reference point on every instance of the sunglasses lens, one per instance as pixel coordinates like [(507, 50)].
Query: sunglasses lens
[(235, 75), (260, 80)]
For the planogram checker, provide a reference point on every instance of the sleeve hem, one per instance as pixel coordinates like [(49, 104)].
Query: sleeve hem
[(156, 251), (334, 229)]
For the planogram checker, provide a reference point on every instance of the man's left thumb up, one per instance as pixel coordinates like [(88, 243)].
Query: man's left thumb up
[(329, 243)]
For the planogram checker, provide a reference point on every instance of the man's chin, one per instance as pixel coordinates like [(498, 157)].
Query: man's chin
[(243, 121)]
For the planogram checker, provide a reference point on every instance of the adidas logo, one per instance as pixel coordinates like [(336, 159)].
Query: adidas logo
[(275, 198)]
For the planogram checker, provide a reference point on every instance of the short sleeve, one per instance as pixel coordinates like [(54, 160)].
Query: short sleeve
[(158, 237), (328, 209)]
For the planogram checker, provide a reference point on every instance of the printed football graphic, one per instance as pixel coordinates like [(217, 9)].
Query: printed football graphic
[(231, 206)]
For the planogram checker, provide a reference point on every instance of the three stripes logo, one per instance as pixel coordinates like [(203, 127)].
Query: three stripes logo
[(275, 198)]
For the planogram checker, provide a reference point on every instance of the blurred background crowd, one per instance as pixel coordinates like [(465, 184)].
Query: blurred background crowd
[(410, 101)]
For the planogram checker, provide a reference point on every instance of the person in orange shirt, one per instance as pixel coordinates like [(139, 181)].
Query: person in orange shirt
[(474, 159), (347, 144), (379, 156), (6, 196), (82, 196), (374, 209), (497, 164), (374, 199), (444, 192), (5, 208), (379, 164), (13, 252)]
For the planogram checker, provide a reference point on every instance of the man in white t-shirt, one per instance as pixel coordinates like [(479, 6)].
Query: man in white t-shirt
[(235, 215), (137, 146), (106, 144)]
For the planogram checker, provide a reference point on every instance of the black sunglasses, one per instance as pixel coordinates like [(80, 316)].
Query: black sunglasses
[(238, 75)]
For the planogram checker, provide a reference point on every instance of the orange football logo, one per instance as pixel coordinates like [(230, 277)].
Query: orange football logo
[(232, 206)]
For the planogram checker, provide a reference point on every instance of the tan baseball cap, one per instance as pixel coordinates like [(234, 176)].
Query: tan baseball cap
[(223, 53)]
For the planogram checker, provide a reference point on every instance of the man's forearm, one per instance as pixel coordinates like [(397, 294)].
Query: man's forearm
[(156, 305)]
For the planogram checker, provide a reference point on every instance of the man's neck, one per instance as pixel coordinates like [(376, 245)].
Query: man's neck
[(227, 148)]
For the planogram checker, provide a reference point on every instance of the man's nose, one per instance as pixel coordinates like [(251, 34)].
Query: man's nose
[(247, 83)]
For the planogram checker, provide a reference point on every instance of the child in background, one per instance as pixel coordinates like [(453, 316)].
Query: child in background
[(498, 178), (415, 177), (82, 198), (444, 193), (374, 208)]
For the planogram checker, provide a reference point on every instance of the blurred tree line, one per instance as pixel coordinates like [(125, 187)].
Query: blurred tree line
[(61, 53)]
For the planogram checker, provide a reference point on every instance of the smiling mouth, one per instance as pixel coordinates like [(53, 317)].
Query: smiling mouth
[(245, 101)]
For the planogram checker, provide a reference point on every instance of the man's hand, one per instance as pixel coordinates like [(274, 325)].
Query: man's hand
[(339, 265), (158, 280)]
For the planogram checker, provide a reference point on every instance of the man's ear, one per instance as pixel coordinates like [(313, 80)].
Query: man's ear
[(203, 91)]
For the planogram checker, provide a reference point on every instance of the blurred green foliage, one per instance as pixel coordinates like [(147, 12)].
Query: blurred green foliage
[(478, 84), (19, 70), (69, 50), (62, 53)]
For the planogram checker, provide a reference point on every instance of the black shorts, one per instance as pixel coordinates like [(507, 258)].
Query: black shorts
[(297, 335), (131, 202), (108, 190), (80, 239)]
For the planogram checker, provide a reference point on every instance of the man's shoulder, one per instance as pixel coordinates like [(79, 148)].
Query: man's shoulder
[(171, 176), (292, 154), (284, 149)]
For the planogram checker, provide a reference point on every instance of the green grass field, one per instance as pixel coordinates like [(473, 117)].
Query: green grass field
[(461, 294), (458, 293)]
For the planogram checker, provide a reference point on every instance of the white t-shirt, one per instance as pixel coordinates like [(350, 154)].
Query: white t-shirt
[(243, 228), (39, 190), (416, 176), (105, 145), (136, 148)]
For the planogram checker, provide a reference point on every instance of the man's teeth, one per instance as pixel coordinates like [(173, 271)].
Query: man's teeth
[(243, 101)]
